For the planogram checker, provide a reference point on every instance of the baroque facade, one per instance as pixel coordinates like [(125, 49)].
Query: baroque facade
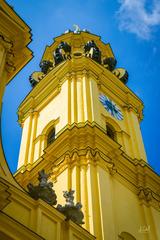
[(81, 132)]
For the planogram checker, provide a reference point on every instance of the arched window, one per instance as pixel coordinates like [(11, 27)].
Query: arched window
[(51, 136), (126, 236), (110, 131)]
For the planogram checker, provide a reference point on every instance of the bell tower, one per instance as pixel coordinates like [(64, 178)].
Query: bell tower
[(81, 123)]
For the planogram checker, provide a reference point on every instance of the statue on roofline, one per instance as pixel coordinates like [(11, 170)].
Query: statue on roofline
[(91, 50), (44, 190), (62, 53), (70, 210)]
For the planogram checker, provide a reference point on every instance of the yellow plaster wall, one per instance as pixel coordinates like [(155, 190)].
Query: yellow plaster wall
[(155, 220), (107, 204), (60, 185), (25, 141), (56, 108), (128, 212), (37, 149), (21, 212), (136, 134), (48, 227)]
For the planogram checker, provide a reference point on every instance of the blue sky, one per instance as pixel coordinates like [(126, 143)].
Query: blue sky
[(132, 27)]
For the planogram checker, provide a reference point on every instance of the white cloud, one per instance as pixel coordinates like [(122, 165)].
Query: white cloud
[(134, 17)]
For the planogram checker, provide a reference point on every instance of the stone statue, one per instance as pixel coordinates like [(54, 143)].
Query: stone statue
[(35, 78), (110, 63), (89, 45), (77, 28), (43, 190), (91, 50), (46, 66), (66, 50), (62, 53), (58, 57), (121, 74), (70, 210), (69, 197)]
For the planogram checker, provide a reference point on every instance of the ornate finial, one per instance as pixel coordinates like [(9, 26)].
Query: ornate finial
[(70, 210), (77, 28), (43, 190)]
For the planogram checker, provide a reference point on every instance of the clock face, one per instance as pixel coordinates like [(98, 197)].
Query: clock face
[(111, 107)]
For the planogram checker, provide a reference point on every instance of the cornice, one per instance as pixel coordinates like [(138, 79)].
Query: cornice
[(89, 142), (8, 46), (14, 32)]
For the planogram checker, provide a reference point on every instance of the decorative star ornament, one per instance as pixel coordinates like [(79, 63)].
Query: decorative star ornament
[(111, 107)]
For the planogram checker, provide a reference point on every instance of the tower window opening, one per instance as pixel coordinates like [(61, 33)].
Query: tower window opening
[(51, 136), (126, 236), (110, 132)]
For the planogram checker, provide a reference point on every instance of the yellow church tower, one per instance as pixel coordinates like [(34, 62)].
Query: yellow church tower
[(81, 125)]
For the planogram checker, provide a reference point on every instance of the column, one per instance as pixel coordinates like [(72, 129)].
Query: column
[(25, 141), (137, 137), (87, 97), (32, 137), (93, 198), (84, 195)]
